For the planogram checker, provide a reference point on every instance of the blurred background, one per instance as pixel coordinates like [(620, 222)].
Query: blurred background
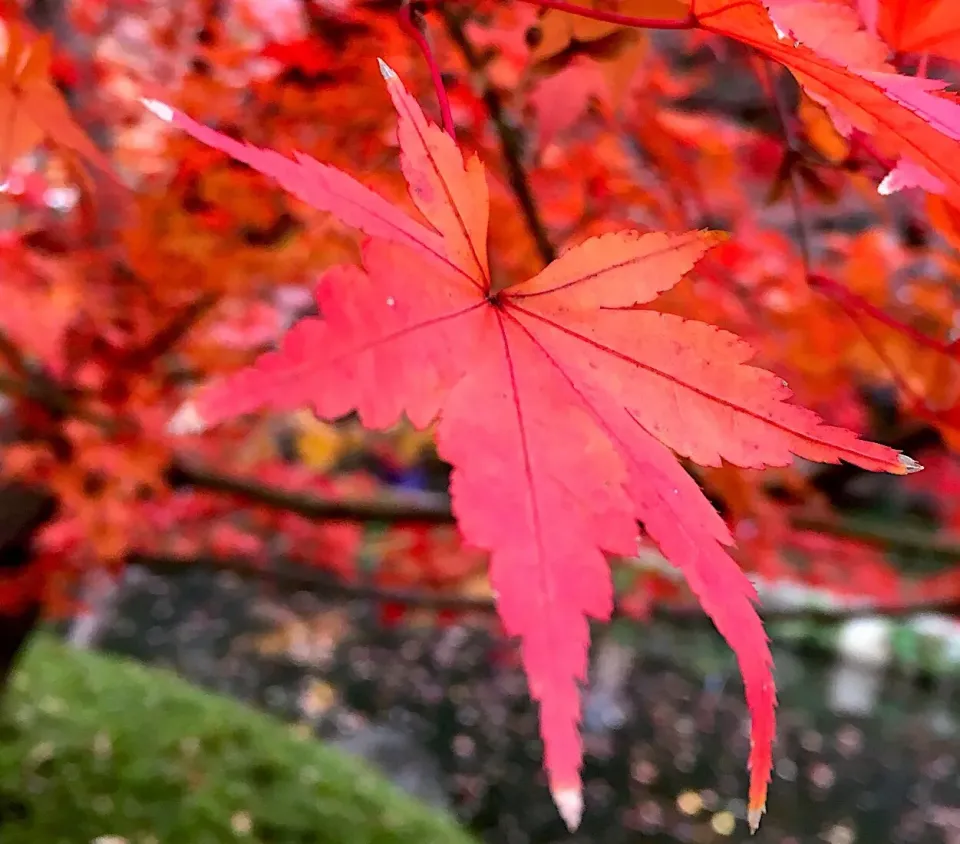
[(311, 571)]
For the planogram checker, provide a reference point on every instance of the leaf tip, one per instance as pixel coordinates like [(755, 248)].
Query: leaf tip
[(161, 110), (908, 464), (753, 818), (888, 186), (716, 236), (569, 803), (187, 420), (386, 71)]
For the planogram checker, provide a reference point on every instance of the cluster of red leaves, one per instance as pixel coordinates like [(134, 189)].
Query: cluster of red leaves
[(194, 522), (563, 399), (521, 374)]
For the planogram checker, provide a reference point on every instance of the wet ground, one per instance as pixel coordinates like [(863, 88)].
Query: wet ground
[(445, 712)]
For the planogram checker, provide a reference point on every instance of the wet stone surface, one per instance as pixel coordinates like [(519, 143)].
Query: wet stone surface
[(445, 713)]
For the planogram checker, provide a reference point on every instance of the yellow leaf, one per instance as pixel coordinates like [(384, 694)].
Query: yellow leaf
[(821, 132), (317, 699), (558, 29), (319, 444)]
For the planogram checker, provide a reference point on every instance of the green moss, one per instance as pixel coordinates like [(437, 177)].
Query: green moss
[(95, 746)]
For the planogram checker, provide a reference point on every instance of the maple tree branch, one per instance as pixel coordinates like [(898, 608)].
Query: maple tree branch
[(927, 543), (47, 392), (509, 139), (414, 25), (416, 508), (174, 331), (429, 508), (434, 508), (32, 382), (301, 577), (688, 22), (11, 353)]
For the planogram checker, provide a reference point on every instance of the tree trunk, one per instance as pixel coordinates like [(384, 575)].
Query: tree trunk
[(23, 511), (15, 632)]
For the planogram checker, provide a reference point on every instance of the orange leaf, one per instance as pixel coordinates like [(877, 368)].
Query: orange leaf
[(31, 107), (921, 26)]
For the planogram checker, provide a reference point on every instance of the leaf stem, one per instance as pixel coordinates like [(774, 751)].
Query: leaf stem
[(689, 22), (413, 25)]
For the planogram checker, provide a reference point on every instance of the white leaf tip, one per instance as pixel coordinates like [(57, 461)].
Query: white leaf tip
[(909, 464), (386, 71), (161, 110), (569, 803), (753, 818), (187, 420), (888, 186)]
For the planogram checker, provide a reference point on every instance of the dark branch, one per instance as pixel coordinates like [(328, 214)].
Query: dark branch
[(510, 143), (433, 508), (415, 508), (297, 577)]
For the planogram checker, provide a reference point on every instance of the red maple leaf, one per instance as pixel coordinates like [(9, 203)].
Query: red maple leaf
[(31, 106), (560, 405), (918, 26), (838, 63)]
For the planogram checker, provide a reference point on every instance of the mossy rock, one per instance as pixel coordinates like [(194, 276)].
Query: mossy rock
[(93, 746)]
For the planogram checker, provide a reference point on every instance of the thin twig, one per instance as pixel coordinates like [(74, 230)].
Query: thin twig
[(886, 537), (510, 146), (10, 352), (794, 185), (174, 331), (822, 283), (54, 398)]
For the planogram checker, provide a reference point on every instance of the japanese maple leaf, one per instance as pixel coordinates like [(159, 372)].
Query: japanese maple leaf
[(560, 408), (31, 107), (917, 26), (837, 63), (837, 33)]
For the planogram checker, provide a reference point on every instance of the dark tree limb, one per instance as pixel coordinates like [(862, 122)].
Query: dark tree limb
[(434, 508), (414, 508), (23, 511), (297, 577)]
